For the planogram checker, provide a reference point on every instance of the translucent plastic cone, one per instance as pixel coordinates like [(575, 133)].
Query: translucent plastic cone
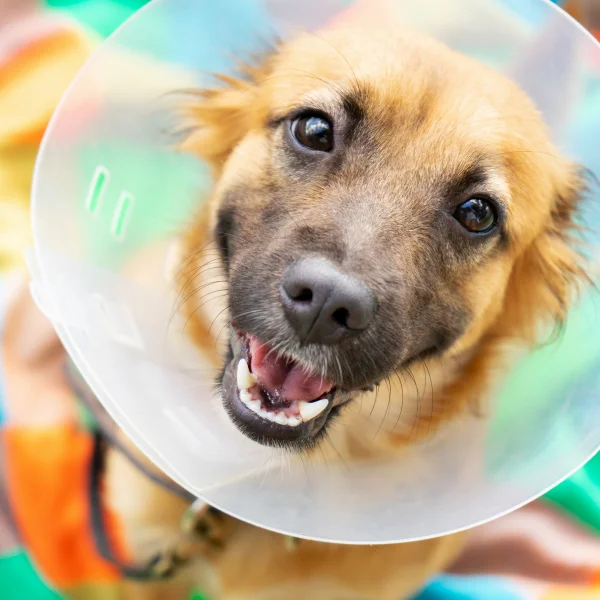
[(109, 188)]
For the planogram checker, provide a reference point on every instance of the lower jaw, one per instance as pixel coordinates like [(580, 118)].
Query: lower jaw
[(264, 431)]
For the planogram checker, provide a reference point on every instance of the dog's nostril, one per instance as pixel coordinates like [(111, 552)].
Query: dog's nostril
[(323, 304), (341, 316), (305, 295)]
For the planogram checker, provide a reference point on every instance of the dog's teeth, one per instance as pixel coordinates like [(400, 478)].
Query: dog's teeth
[(245, 397), (245, 379), (281, 419), (256, 407), (310, 410)]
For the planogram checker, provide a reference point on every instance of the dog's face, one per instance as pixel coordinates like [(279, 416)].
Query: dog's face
[(380, 200)]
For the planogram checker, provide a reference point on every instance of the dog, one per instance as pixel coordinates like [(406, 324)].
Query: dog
[(383, 207), (381, 204)]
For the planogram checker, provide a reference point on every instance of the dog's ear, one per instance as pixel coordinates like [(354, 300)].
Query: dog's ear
[(219, 117), (551, 270)]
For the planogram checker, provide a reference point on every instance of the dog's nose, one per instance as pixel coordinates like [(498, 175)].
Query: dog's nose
[(325, 305)]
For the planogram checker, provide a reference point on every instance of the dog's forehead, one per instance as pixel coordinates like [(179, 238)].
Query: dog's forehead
[(410, 104), (396, 81), (399, 65)]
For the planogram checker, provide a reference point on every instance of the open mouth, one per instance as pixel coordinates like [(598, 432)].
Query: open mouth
[(271, 398)]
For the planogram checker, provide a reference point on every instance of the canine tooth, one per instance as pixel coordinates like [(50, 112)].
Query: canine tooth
[(245, 379), (294, 421), (310, 410), (245, 397)]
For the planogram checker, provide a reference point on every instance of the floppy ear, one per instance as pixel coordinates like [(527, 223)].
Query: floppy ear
[(547, 276), (219, 117)]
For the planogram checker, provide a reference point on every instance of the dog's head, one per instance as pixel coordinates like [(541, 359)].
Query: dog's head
[(379, 200)]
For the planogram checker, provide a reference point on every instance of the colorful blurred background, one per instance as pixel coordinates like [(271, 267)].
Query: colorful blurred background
[(549, 550)]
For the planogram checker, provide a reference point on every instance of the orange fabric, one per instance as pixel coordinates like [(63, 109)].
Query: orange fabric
[(572, 593), (31, 88), (47, 472)]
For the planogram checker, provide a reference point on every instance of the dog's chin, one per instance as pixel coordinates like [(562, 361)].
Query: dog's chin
[(275, 400)]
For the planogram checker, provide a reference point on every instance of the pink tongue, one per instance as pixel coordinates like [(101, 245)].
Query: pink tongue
[(283, 379)]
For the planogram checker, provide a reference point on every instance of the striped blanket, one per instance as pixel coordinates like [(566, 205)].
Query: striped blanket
[(549, 550)]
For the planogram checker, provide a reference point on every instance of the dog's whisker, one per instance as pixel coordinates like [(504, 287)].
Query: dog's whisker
[(418, 401), (225, 327), (374, 401), (190, 273), (176, 310), (192, 255), (179, 275), (181, 302), (319, 446), (193, 313), (327, 438), (425, 366), (217, 316), (338, 51), (191, 276), (402, 401), (202, 270), (389, 384)]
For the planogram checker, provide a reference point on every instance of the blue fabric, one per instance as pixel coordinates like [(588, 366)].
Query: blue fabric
[(531, 12), (201, 34), (456, 587)]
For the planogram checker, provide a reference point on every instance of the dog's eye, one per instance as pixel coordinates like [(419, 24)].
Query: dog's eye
[(314, 132), (477, 215)]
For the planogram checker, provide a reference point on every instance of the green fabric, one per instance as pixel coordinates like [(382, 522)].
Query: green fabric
[(543, 376), (102, 16), (153, 173), (20, 581), (580, 494), (540, 382)]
